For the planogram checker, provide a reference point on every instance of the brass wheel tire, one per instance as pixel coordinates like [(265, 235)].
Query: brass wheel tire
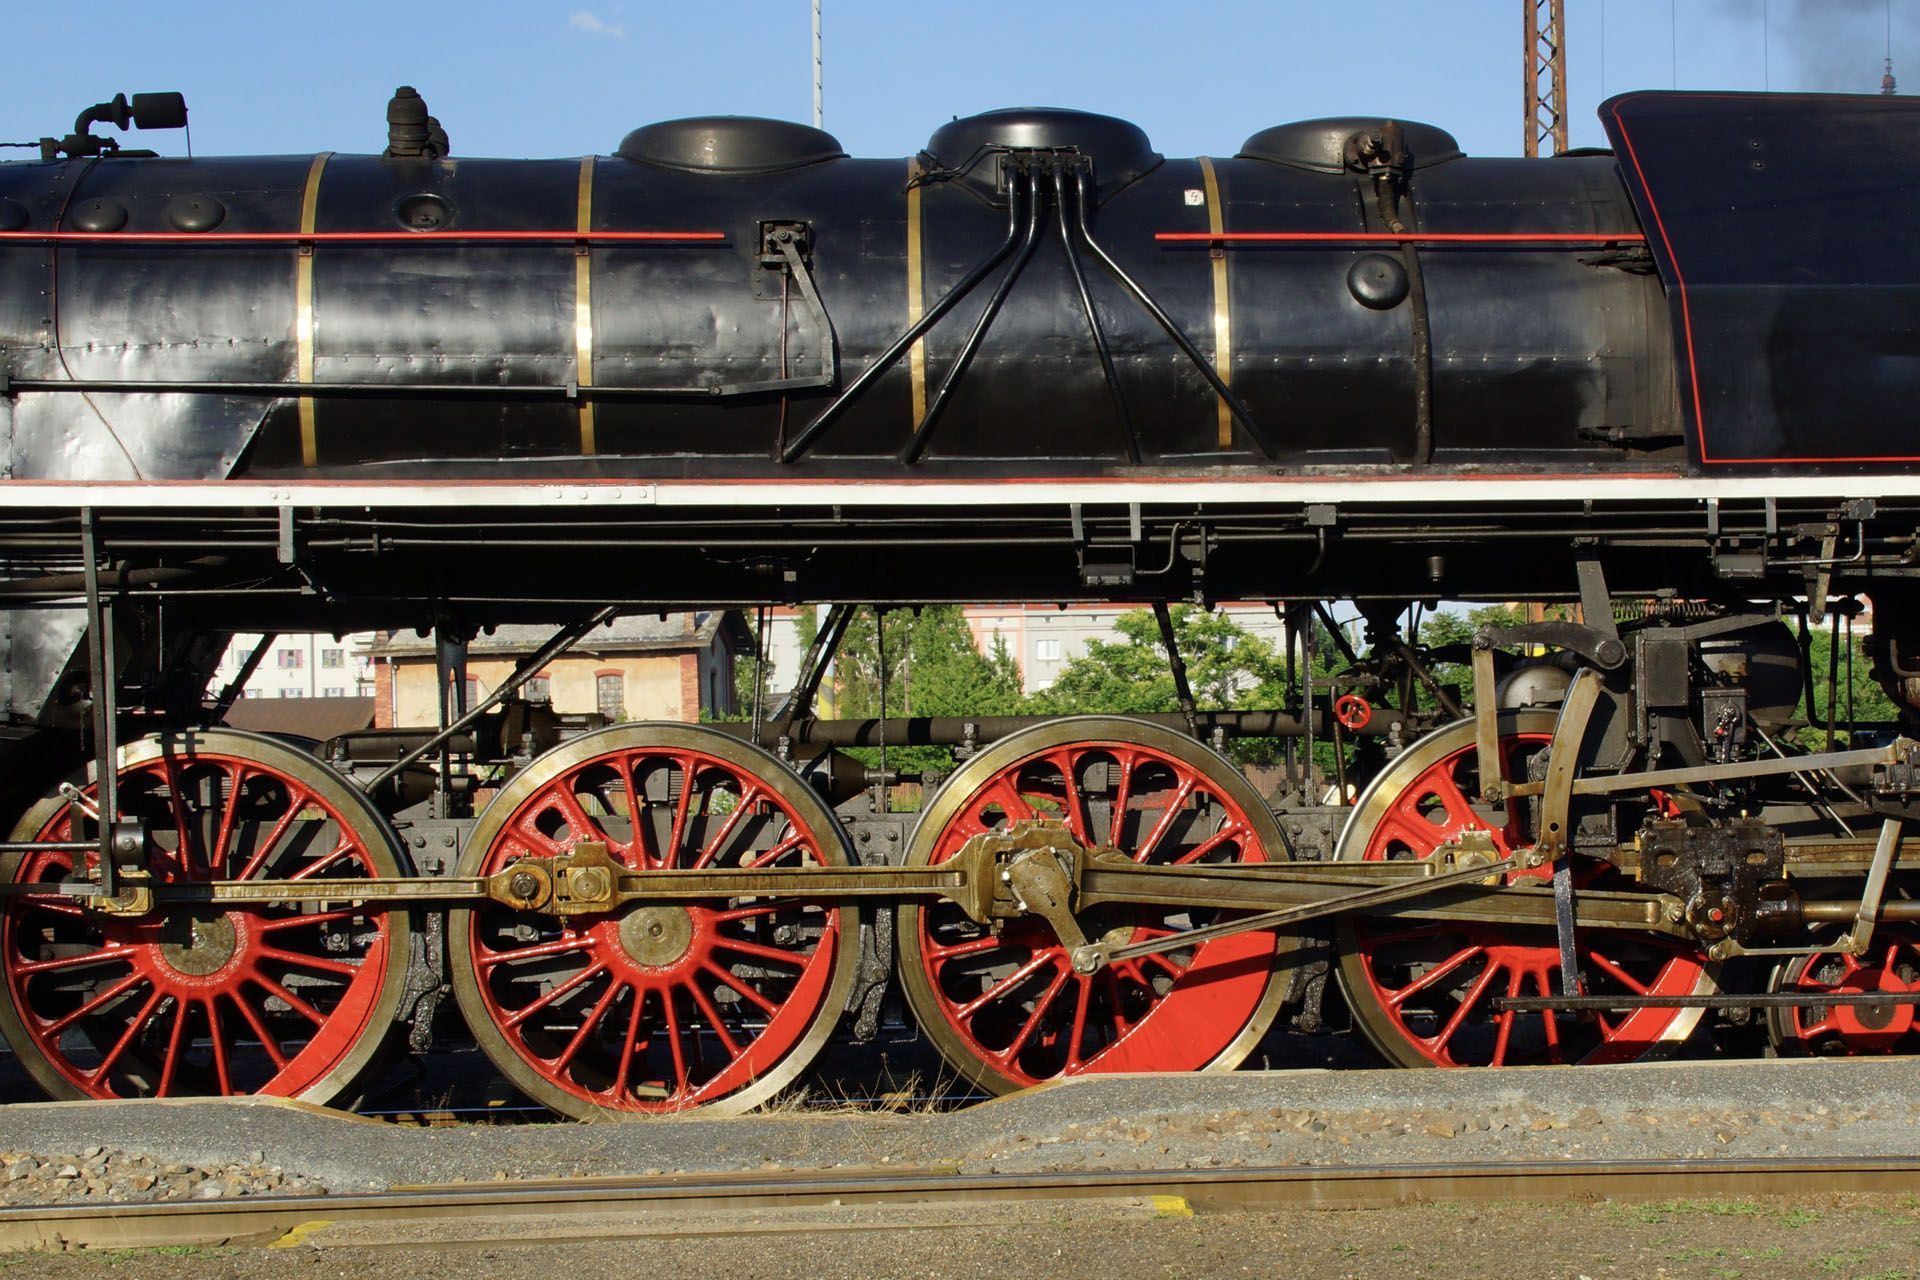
[(1203, 1013)]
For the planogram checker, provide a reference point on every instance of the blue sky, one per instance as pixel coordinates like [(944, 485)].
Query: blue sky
[(536, 78)]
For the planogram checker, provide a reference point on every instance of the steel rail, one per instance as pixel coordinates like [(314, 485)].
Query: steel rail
[(659, 1205)]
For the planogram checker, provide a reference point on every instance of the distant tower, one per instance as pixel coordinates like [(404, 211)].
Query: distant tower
[(1886, 81), (1545, 76)]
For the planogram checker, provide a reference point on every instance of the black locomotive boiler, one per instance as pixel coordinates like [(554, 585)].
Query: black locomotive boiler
[(1668, 385)]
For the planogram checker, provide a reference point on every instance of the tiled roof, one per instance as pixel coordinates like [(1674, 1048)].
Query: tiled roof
[(633, 633), (316, 718)]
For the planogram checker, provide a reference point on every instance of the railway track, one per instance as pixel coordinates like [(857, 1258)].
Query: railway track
[(603, 1208)]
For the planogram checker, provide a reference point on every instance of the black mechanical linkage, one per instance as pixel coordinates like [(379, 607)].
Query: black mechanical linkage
[(101, 680), (807, 435), (1182, 691), (1029, 241), (1129, 437), (1240, 411), (813, 668)]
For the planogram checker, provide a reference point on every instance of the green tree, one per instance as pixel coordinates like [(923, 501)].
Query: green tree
[(1133, 675), (1227, 666), (932, 668), (1854, 692)]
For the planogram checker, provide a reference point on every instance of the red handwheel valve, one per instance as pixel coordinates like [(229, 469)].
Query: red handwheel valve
[(1353, 711)]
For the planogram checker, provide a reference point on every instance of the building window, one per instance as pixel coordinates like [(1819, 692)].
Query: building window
[(333, 657), (290, 659), (1046, 650), (333, 691), (293, 693), (611, 695), (252, 693), (538, 689)]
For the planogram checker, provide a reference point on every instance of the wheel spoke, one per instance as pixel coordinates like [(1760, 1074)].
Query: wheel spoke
[(112, 955), (260, 1032), (1399, 996), (139, 1020), (1040, 1008), (94, 1005), (1618, 974), (1122, 796), (773, 955), (972, 946), (533, 951), (292, 1001), (318, 963), (1076, 1033), (52, 904), (636, 844), (175, 1045), (1467, 1003), (674, 1045), (1166, 962), (999, 989), (1073, 814), (717, 843), (1230, 831), (1008, 797), (1550, 1027), (754, 912), (296, 804), (677, 833), (627, 1046), (218, 1039), (557, 992), (1504, 1019), (786, 845), (588, 1023), (340, 852), (217, 858), (170, 776), (765, 1005), (712, 1015), (1175, 803)]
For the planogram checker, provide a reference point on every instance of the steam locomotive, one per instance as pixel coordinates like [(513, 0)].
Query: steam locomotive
[(1668, 385)]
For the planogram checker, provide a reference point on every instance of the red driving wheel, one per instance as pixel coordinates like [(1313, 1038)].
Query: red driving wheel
[(1006, 1007), (271, 999), (1420, 990), (660, 1005), (1892, 965)]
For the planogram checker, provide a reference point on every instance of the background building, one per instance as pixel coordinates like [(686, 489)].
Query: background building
[(676, 667), (301, 666)]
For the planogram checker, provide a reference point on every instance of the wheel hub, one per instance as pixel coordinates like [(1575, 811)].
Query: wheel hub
[(208, 945), (1875, 1025), (657, 936)]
